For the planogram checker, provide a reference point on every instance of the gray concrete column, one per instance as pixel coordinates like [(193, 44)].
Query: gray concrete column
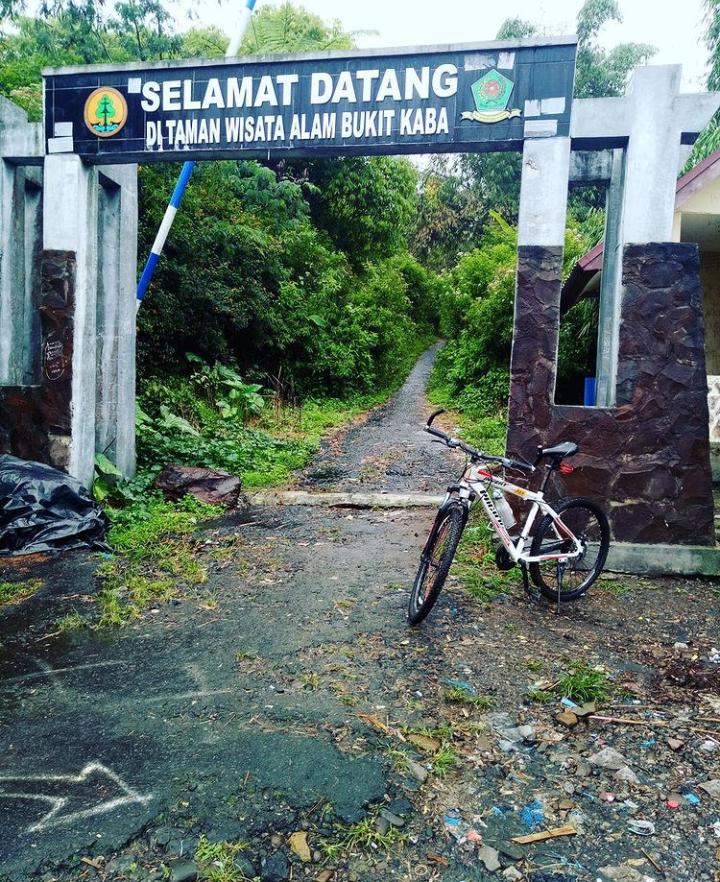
[(20, 199), (70, 224), (610, 300), (116, 316), (544, 191), (653, 154)]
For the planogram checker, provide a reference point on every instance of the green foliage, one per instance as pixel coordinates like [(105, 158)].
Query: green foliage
[(602, 73), (583, 683), (14, 592), (217, 861), (279, 297), (290, 28)]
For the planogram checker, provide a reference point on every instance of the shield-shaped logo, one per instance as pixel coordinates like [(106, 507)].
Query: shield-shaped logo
[(492, 93)]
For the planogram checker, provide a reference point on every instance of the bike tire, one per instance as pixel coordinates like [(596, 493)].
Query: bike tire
[(447, 528), (578, 509)]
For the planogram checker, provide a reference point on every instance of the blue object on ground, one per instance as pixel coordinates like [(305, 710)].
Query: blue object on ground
[(533, 815), (692, 798)]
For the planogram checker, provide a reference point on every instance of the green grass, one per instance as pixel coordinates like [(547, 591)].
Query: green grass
[(217, 861), (363, 836), (14, 592), (540, 696), (445, 760), (458, 695), (73, 621), (475, 562), (583, 683)]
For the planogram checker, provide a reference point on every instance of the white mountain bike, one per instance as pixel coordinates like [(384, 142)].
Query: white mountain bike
[(565, 553)]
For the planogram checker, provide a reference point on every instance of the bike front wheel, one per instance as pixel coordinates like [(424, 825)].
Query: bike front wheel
[(588, 523), (436, 560)]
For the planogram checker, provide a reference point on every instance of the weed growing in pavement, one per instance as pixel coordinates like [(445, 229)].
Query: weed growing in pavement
[(399, 758), (73, 621), (154, 559), (13, 592), (310, 681), (476, 563), (458, 695), (541, 696), (245, 656), (217, 861), (534, 664), (361, 836), (583, 683), (445, 760)]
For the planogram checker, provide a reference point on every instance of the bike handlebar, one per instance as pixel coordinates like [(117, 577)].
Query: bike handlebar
[(475, 454)]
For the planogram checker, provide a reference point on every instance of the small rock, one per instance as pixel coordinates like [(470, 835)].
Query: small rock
[(567, 718), (275, 868), (512, 873), (608, 758), (675, 744), (207, 485), (627, 775), (418, 771), (382, 825), (324, 876), (510, 850), (392, 819), (681, 647), (709, 746), (183, 871), (299, 844), (400, 807), (489, 857), (622, 874), (276, 840), (712, 788)]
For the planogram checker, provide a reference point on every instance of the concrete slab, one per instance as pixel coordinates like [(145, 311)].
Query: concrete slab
[(664, 560)]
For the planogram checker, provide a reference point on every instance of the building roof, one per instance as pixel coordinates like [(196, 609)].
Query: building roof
[(591, 263)]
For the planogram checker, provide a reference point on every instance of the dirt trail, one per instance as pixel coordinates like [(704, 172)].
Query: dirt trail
[(287, 695), (388, 452)]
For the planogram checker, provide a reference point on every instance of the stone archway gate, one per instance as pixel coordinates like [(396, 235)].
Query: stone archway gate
[(68, 216)]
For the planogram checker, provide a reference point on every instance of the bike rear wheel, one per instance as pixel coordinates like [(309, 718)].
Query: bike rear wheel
[(587, 521), (436, 560)]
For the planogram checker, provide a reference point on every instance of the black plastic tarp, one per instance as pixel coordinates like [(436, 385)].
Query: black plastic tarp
[(43, 509)]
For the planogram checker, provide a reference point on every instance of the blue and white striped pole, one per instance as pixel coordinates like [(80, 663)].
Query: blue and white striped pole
[(186, 173)]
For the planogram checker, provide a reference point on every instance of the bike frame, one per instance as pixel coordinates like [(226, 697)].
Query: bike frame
[(474, 485)]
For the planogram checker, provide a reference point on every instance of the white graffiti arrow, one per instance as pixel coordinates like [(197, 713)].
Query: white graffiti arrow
[(95, 784)]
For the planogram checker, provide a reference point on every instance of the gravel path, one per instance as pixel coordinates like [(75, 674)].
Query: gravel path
[(286, 696), (389, 451)]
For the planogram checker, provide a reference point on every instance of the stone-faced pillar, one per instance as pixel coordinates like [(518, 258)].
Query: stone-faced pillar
[(541, 235), (70, 225)]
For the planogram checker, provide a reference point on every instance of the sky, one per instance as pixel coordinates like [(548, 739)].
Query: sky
[(676, 29)]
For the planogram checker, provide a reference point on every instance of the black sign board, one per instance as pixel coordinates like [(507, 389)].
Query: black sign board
[(476, 97)]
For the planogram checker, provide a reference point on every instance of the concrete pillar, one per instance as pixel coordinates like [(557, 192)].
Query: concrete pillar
[(610, 301), (655, 118), (70, 223), (91, 215), (20, 206), (116, 312), (543, 192), (653, 154)]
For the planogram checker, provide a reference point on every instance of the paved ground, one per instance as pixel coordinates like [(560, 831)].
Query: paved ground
[(288, 696)]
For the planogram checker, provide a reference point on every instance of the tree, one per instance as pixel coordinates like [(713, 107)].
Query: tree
[(709, 140), (291, 28), (602, 73)]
